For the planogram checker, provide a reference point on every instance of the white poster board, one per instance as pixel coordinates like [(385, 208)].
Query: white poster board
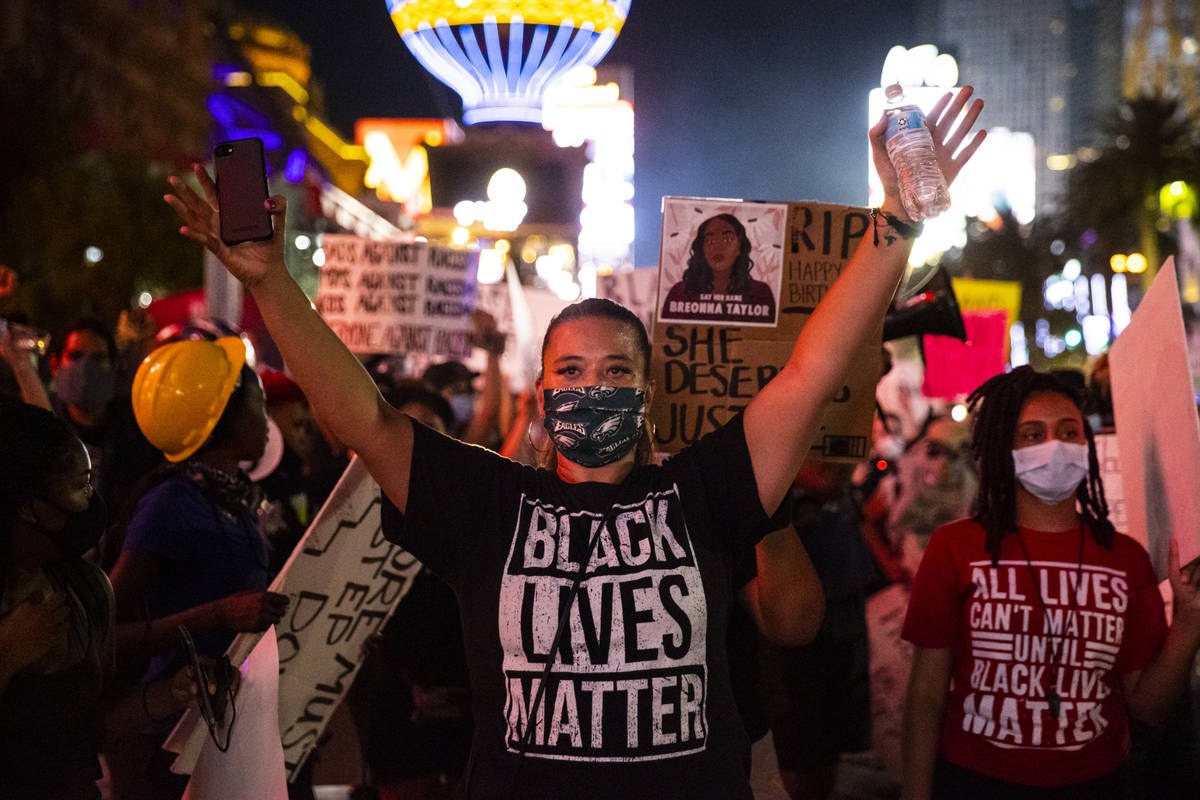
[(1157, 426), (397, 297), (343, 580), (1108, 453)]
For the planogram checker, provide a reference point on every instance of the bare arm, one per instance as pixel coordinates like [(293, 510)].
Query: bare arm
[(138, 637), (488, 409), (782, 418), (33, 391), (1151, 693), (924, 705), (334, 381), (785, 599)]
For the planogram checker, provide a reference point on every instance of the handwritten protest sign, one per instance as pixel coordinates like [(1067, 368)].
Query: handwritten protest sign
[(397, 297), (636, 289), (343, 580), (1157, 428), (708, 369)]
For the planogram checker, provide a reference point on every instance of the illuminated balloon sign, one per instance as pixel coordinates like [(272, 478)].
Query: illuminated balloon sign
[(500, 55)]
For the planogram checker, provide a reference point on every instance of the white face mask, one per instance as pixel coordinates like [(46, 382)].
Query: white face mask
[(1051, 471)]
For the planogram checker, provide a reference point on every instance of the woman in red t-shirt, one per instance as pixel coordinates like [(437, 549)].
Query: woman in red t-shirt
[(1038, 629)]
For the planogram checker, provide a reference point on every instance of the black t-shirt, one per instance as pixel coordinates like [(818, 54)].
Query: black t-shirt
[(639, 703)]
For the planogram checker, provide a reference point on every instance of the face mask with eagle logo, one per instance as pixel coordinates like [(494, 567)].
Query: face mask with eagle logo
[(594, 425)]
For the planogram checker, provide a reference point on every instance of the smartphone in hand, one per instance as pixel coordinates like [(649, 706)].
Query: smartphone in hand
[(242, 191)]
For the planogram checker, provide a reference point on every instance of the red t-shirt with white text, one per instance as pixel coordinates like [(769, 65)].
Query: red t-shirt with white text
[(998, 719)]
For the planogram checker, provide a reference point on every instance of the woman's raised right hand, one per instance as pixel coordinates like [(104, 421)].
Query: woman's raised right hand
[(249, 262)]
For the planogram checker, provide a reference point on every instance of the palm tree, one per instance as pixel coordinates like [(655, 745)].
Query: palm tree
[(1146, 143)]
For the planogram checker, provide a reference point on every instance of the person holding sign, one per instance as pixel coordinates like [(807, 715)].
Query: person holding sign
[(716, 285), (594, 593), (1049, 622)]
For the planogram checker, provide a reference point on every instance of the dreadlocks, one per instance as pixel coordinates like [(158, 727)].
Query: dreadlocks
[(997, 406)]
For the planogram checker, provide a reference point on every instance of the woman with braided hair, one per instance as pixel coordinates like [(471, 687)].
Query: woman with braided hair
[(1047, 619)]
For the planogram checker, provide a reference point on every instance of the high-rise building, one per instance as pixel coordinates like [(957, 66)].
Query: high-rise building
[(1045, 67)]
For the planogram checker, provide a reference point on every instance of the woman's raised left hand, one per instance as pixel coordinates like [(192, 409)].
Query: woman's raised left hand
[(948, 132)]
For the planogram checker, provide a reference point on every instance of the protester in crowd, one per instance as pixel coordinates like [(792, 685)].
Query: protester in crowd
[(97, 409), (820, 692), (193, 555), (640, 703), (136, 337), (935, 482), (308, 470), (1038, 629), (57, 699), (410, 701), (475, 414)]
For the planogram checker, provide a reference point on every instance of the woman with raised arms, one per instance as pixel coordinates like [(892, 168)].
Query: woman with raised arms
[(593, 594)]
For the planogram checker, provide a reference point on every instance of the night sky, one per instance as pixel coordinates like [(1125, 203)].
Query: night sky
[(748, 98)]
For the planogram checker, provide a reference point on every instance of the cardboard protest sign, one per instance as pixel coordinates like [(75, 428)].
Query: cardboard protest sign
[(397, 297), (344, 580), (1157, 427), (636, 289), (708, 368)]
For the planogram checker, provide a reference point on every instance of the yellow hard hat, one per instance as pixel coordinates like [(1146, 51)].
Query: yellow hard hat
[(180, 391)]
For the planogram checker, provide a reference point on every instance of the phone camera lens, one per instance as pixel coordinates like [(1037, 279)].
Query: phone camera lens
[(224, 149)]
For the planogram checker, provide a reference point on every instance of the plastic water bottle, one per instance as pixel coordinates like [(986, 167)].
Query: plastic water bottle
[(910, 147)]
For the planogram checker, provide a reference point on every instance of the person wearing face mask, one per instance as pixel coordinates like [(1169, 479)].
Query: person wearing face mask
[(88, 397), (594, 592), (475, 415), (57, 697), (1038, 629)]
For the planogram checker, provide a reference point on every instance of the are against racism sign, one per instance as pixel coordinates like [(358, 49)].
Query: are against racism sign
[(397, 297), (717, 343)]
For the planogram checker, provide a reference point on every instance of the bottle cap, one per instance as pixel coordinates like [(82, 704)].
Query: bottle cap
[(894, 91)]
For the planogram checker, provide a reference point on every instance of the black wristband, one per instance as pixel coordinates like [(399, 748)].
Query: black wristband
[(905, 230)]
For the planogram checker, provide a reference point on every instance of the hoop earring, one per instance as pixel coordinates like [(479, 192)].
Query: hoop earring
[(542, 436)]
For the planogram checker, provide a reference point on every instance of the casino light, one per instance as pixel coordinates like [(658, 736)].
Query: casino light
[(1136, 263), (1118, 262), (958, 413), (482, 49), (1121, 312)]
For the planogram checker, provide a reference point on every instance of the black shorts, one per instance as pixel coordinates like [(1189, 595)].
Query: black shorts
[(818, 697)]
